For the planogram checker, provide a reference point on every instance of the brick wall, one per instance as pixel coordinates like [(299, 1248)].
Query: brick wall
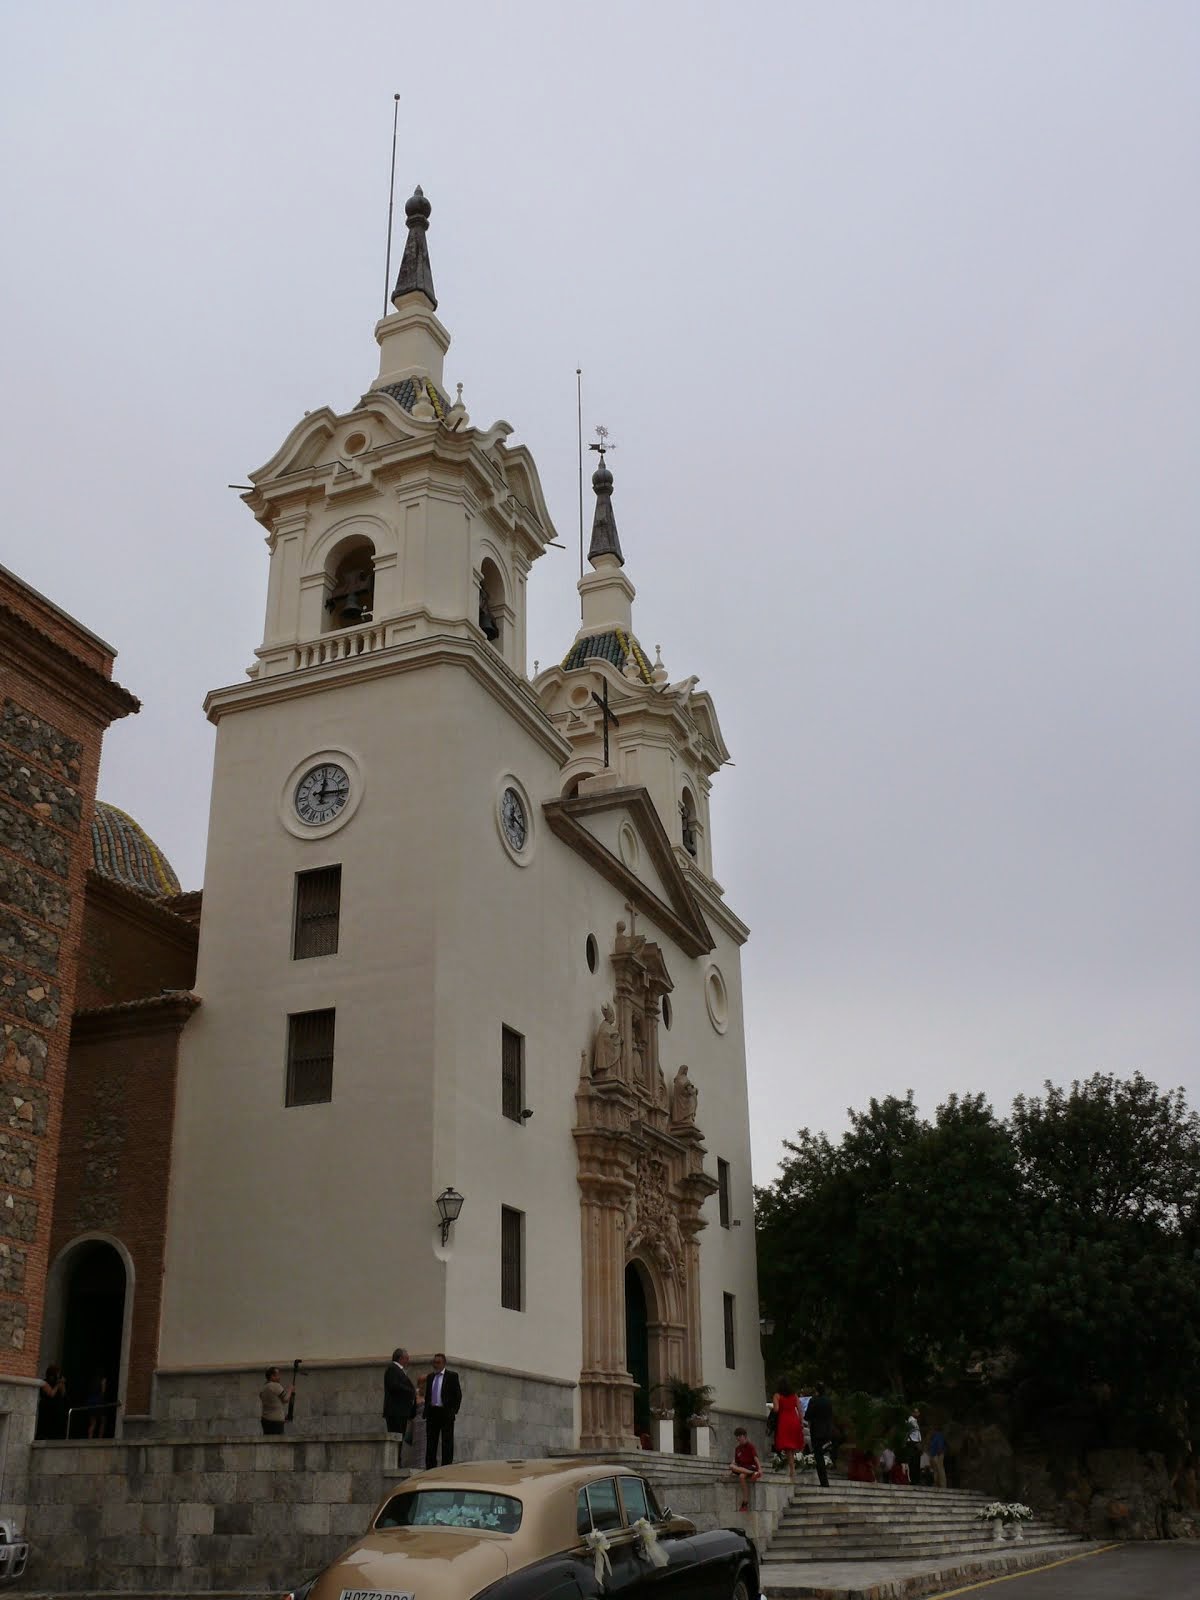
[(56, 699), (132, 947), (115, 1151)]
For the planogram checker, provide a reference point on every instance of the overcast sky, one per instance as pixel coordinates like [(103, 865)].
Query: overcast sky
[(893, 312)]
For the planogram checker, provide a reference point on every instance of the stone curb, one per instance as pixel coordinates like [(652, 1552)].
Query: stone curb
[(912, 1585)]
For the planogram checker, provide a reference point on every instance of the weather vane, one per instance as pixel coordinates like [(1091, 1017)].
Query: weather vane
[(603, 444)]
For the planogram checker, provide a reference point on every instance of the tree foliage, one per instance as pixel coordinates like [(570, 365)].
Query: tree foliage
[(1061, 1243)]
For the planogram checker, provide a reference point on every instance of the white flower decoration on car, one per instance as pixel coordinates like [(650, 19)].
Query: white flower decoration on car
[(599, 1543), (651, 1548)]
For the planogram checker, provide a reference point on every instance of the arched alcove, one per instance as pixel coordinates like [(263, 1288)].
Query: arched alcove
[(689, 830), (88, 1317), (349, 584), (493, 603)]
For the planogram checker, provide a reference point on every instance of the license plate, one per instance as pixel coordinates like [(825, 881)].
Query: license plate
[(376, 1594)]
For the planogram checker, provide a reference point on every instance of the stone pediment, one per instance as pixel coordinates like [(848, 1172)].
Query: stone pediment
[(651, 879)]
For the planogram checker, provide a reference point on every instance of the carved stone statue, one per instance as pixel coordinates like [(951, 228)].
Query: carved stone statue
[(684, 1096), (608, 1048)]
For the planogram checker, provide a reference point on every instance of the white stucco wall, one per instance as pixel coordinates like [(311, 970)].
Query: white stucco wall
[(312, 1230)]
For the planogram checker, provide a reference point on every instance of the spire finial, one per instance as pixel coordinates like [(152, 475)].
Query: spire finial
[(416, 275), (604, 525)]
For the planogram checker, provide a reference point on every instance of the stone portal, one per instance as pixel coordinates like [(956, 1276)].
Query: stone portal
[(642, 1182)]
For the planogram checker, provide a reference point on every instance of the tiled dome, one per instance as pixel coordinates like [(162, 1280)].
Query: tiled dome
[(126, 853)]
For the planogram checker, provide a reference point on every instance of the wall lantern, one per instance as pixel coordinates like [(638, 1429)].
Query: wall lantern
[(766, 1326), (449, 1204)]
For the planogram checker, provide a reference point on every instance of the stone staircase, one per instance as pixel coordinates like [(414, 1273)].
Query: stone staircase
[(890, 1522)]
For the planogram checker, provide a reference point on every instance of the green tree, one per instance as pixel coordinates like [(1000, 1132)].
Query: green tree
[(880, 1257), (1107, 1299)]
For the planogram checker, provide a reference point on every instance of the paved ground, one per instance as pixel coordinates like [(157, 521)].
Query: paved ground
[(1125, 1572), (1119, 1572)]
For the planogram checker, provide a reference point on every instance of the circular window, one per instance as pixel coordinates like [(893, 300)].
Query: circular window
[(355, 443), (593, 952), (666, 1010), (716, 1000)]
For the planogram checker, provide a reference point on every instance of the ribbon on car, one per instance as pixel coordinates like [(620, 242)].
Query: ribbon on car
[(598, 1543), (651, 1548)]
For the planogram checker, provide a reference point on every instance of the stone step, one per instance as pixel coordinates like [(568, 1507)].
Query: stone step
[(838, 1527), (921, 1551)]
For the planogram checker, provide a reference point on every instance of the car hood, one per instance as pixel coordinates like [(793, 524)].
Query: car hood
[(430, 1563)]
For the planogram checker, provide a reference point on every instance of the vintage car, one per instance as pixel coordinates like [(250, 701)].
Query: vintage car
[(535, 1530)]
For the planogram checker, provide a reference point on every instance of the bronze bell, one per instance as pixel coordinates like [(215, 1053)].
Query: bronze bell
[(352, 607)]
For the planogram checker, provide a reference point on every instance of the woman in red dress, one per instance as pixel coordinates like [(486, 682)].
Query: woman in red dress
[(789, 1424)]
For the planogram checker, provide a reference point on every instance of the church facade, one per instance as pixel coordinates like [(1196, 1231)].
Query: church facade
[(467, 1068)]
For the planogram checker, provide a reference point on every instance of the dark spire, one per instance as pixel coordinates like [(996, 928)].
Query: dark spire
[(604, 525), (416, 275)]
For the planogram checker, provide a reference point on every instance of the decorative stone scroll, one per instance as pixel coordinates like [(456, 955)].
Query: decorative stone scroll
[(642, 1185)]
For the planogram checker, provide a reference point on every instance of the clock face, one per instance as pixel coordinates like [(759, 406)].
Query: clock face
[(321, 794), (512, 815)]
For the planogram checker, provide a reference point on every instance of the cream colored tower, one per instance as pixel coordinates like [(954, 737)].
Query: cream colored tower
[(494, 888)]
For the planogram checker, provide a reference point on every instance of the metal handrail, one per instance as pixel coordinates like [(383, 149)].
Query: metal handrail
[(106, 1405)]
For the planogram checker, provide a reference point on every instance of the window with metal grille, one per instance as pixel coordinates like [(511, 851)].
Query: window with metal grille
[(310, 1058), (512, 1073), (318, 913), (512, 1264), (729, 1345), (723, 1191)]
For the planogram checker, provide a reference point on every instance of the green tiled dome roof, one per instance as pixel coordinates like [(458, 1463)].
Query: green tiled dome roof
[(612, 647), (125, 852)]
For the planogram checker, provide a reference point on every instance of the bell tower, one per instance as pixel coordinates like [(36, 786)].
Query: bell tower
[(397, 521)]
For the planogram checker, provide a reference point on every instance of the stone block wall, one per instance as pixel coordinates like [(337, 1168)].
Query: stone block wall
[(504, 1413), (245, 1515), (260, 1514)]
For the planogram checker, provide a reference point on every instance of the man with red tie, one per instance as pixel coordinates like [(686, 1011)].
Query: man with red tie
[(443, 1397)]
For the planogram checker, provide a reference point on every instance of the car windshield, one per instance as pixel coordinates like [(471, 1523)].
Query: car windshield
[(452, 1508)]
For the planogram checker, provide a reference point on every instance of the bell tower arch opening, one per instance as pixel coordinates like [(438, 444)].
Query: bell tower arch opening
[(494, 610), (349, 584)]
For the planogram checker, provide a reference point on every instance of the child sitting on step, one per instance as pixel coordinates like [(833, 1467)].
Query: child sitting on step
[(745, 1466)]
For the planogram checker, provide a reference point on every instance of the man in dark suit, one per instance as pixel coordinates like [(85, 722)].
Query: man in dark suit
[(443, 1397), (819, 1419), (399, 1398)]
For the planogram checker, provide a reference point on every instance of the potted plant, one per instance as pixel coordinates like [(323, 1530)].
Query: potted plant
[(690, 1402)]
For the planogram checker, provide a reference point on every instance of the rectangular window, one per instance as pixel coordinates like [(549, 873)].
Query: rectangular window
[(512, 1073), (512, 1262), (310, 1058), (723, 1191), (318, 913), (730, 1352)]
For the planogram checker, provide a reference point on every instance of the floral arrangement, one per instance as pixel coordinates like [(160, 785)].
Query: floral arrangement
[(1005, 1511), (805, 1462), (456, 1517)]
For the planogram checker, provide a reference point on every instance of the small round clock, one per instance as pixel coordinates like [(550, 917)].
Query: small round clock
[(322, 793), (513, 819)]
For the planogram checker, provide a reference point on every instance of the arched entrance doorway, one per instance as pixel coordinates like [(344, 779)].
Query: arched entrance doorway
[(637, 1345), (87, 1327)]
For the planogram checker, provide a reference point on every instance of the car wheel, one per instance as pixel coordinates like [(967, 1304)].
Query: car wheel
[(740, 1591)]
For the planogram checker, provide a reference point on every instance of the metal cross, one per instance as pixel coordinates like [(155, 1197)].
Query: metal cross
[(609, 716)]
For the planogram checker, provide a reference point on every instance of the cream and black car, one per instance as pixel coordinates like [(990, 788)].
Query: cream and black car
[(535, 1530)]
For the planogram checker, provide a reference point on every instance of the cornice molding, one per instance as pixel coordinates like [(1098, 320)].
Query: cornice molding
[(81, 685), (430, 650), (161, 1013), (131, 906), (683, 920)]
